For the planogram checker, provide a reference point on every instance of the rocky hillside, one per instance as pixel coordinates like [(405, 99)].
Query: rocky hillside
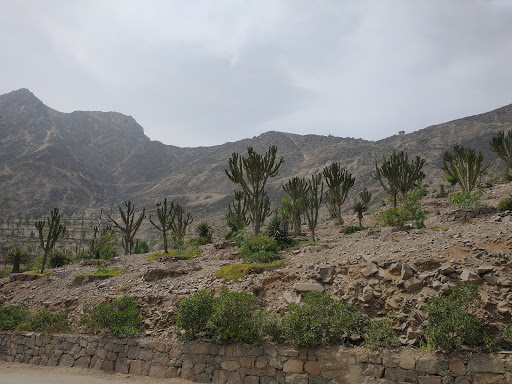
[(378, 270), (85, 160)]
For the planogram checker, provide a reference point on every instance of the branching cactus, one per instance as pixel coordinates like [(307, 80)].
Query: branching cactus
[(296, 188), (56, 231), (128, 226), (313, 197), (465, 166), (339, 181)]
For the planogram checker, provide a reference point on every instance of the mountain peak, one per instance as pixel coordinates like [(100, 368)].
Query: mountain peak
[(20, 97)]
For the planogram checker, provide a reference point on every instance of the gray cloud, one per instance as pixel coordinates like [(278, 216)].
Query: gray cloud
[(206, 72)]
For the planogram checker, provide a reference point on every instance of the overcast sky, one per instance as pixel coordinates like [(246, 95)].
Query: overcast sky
[(204, 72)]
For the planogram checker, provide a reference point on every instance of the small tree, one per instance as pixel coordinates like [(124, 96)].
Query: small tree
[(204, 231), (339, 181), (362, 205), (465, 166), (501, 144), (164, 223), (296, 188), (236, 217), (129, 226), (55, 232), (252, 173), (312, 201), (17, 256), (397, 175)]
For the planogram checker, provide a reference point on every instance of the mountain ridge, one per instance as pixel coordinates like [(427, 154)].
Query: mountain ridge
[(91, 159)]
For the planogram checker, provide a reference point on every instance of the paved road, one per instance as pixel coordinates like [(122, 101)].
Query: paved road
[(14, 373)]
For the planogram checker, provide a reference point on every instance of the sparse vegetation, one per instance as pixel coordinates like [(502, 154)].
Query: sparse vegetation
[(240, 271), (59, 259), (17, 256), (56, 231), (128, 226), (465, 199), (45, 321), (260, 249), (12, 316), (193, 315), (379, 334), (505, 205), (464, 166)]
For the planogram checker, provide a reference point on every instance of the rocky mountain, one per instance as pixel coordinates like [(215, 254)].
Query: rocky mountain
[(89, 159)]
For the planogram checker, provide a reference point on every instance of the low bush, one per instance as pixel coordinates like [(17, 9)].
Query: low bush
[(505, 205), (240, 271), (141, 246), (506, 336), (352, 229), (193, 315), (260, 249), (379, 334), (121, 317), (409, 210), (453, 323), (322, 320), (465, 199), (506, 175), (277, 229), (105, 247), (12, 316), (46, 321), (59, 259), (233, 319)]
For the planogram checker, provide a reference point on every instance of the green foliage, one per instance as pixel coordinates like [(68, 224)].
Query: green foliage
[(252, 173), (397, 175), (128, 226), (465, 166), (59, 259), (505, 333), (339, 181), (352, 229), (296, 189), (12, 316), (452, 320), (260, 249), (465, 199), (204, 230), (379, 334), (193, 315), (277, 229), (17, 256), (233, 319), (501, 144), (506, 175), (105, 246), (409, 210), (236, 218), (121, 317), (505, 204), (273, 326), (239, 271), (45, 321), (322, 320), (141, 246)]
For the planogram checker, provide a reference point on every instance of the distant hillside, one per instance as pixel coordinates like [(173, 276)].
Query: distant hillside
[(85, 160)]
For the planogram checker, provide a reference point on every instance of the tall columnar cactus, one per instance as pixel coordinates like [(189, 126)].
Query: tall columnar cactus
[(56, 231), (339, 181), (164, 223), (296, 188), (401, 176), (252, 173), (128, 226), (236, 217), (313, 197), (179, 224), (501, 144), (465, 166)]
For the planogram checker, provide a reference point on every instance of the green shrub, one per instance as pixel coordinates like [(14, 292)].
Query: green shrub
[(59, 259), (322, 320), (465, 199), (380, 334), (12, 316), (120, 316), (506, 336), (260, 249), (352, 229), (45, 321), (105, 247), (277, 229), (233, 319), (273, 326), (452, 320), (506, 175), (239, 271), (505, 205), (193, 315), (409, 210), (141, 246), (204, 231), (195, 242)]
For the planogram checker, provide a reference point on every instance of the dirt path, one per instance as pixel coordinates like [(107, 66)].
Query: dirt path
[(14, 373)]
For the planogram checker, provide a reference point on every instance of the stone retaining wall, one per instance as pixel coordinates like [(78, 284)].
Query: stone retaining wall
[(207, 362), (466, 214)]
